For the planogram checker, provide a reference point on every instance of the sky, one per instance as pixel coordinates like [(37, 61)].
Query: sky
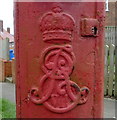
[(6, 14)]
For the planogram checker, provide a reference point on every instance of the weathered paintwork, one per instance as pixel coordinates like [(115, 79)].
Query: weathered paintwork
[(59, 56)]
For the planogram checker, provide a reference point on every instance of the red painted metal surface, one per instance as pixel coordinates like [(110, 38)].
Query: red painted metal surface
[(59, 56)]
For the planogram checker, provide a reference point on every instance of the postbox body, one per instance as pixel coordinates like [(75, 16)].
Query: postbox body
[(59, 59)]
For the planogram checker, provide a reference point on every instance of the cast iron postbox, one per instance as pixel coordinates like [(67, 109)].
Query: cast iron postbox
[(59, 59)]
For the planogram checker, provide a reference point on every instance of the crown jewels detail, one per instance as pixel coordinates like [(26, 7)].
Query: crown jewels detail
[(57, 26)]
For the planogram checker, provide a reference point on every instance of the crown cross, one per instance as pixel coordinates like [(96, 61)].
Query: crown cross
[(57, 26)]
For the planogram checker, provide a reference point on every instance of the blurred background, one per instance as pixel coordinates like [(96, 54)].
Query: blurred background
[(7, 53)]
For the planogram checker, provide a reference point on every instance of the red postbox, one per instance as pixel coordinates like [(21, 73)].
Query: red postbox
[(59, 56)]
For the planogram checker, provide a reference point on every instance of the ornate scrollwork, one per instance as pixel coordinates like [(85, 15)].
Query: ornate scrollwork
[(56, 90), (61, 94)]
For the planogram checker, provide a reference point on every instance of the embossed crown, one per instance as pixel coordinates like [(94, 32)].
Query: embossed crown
[(57, 26)]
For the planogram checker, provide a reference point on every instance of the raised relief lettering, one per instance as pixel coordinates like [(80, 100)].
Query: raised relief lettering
[(56, 90)]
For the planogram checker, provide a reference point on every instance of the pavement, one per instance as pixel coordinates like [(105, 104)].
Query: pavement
[(110, 108), (7, 91)]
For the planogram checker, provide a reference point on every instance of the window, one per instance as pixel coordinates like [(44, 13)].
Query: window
[(106, 6)]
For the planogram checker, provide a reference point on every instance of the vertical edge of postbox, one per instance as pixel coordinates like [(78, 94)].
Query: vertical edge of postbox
[(16, 32), (99, 63)]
